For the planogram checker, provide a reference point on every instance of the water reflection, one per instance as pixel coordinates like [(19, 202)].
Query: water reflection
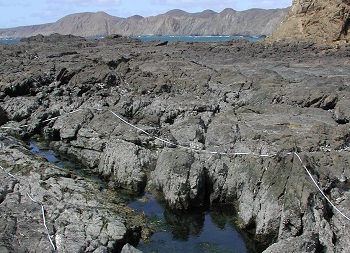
[(200, 230), (42, 149), (190, 231), (183, 225)]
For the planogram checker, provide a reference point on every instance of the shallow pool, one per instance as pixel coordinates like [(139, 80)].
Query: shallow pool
[(204, 230)]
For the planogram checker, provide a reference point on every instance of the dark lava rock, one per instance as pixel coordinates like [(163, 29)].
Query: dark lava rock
[(190, 107), (79, 217)]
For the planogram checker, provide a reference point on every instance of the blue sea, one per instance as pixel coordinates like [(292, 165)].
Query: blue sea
[(9, 41), (196, 38), (172, 38)]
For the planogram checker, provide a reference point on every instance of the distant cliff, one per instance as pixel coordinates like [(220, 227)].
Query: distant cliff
[(322, 21), (253, 22)]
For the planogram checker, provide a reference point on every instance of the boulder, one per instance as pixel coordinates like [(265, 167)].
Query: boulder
[(341, 112), (126, 165), (180, 179)]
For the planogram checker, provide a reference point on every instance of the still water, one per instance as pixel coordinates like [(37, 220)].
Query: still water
[(198, 231)]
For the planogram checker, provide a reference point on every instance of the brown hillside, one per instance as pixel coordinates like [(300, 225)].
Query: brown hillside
[(254, 22), (322, 21)]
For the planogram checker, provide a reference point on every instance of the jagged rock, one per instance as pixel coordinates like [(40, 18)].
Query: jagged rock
[(125, 164), (179, 178), (321, 21), (3, 116), (20, 108), (218, 98), (129, 249), (79, 217), (341, 112), (300, 244), (68, 127)]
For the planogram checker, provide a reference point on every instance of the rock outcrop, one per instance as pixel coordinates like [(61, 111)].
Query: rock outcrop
[(321, 21), (254, 22), (35, 194), (170, 119)]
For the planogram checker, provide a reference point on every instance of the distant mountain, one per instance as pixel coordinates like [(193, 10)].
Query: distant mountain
[(253, 22)]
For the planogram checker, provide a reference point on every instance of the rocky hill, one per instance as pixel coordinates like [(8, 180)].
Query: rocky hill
[(323, 21), (253, 22)]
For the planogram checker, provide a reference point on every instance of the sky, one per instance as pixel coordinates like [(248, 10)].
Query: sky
[(15, 13)]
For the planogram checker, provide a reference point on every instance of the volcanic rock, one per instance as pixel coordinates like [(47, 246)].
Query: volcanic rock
[(199, 124), (35, 194)]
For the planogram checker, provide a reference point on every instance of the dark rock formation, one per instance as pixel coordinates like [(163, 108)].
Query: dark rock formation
[(322, 21), (238, 96), (254, 22), (79, 217)]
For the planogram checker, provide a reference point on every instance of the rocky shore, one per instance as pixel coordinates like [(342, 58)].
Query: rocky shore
[(196, 123), (40, 200)]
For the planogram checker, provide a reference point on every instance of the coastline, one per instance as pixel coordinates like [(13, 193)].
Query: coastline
[(229, 98)]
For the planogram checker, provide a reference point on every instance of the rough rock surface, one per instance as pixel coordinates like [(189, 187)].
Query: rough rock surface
[(322, 21), (204, 100), (79, 217)]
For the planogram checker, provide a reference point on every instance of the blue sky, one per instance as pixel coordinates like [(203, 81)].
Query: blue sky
[(30, 12)]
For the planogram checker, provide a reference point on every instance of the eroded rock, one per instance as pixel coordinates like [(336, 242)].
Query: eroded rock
[(79, 217), (200, 123)]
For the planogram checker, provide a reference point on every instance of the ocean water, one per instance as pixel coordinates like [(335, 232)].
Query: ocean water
[(196, 38), (9, 41), (172, 38)]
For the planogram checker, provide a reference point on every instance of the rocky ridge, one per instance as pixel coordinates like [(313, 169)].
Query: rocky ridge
[(257, 98), (254, 22)]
